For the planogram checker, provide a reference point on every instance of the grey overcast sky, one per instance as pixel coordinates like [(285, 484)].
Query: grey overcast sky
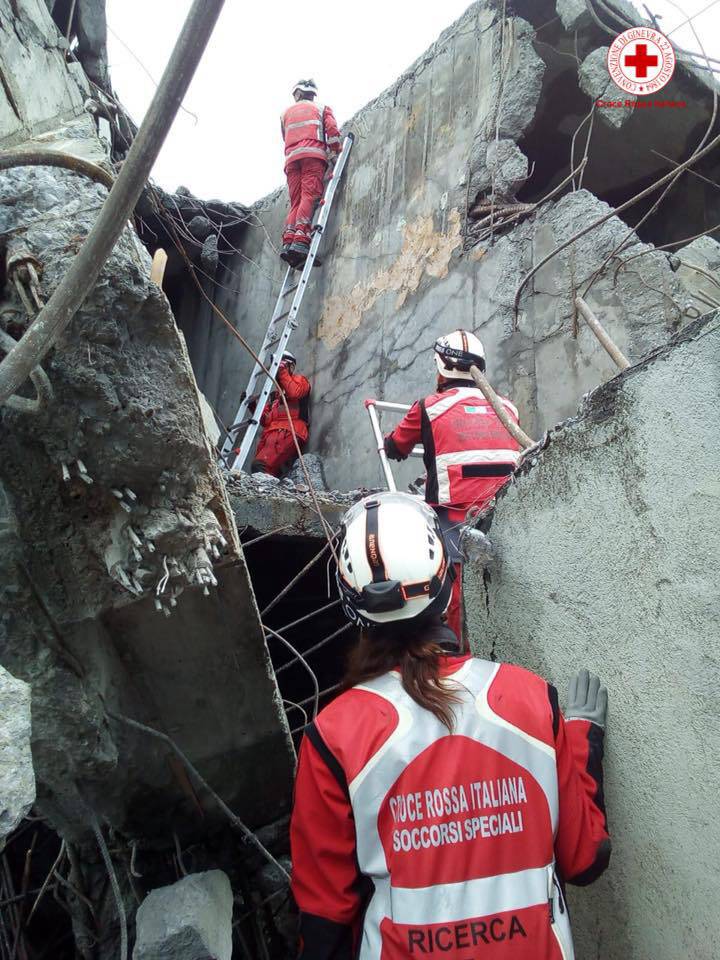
[(231, 149)]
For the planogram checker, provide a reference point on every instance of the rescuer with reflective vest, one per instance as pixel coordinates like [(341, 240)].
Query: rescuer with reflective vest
[(442, 801), (468, 453), (312, 139), (276, 450)]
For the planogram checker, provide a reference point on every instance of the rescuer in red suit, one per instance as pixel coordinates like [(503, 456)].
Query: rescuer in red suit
[(468, 453), (442, 801), (276, 449), (312, 138)]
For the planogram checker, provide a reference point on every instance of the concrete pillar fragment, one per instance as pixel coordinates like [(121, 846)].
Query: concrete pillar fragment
[(17, 778), (189, 920)]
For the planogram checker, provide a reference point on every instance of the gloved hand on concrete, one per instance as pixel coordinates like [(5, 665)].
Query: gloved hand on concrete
[(586, 699)]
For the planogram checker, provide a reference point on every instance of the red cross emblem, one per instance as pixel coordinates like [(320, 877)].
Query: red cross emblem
[(641, 60)]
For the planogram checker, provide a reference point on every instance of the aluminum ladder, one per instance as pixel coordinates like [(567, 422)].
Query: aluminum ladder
[(372, 406), (283, 322)]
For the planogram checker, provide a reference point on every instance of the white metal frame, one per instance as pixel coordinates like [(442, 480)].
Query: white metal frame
[(372, 406)]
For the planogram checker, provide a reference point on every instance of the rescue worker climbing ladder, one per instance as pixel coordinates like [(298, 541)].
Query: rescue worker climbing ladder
[(276, 449), (312, 140), (439, 818), (468, 454)]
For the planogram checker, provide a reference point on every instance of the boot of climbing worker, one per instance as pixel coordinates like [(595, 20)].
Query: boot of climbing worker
[(298, 252), (288, 255)]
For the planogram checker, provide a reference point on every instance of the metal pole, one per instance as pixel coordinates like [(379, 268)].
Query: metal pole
[(80, 278), (386, 405), (597, 328), (384, 463), (482, 382)]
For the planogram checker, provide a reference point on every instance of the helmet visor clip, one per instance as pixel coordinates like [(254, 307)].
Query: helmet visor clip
[(383, 596)]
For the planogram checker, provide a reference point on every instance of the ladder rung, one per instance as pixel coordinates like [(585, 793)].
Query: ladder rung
[(243, 423), (280, 316), (290, 290), (270, 343)]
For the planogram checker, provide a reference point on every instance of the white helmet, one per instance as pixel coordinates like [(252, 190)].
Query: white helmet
[(456, 352), (393, 563), (305, 86), (288, 358)]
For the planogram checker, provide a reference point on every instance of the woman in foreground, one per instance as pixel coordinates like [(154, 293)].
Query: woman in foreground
[(442, 800)]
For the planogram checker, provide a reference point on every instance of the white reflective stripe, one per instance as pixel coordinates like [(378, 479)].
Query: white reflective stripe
[(444, 461), (478, 456), (467, 899), (304, 123), (548, 782), (487, 713), (466, 393), (316, 151), (445, 403), (404, 722)]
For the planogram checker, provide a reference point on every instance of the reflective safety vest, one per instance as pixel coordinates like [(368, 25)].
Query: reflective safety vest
[(304, 131), (456, 832), (469, 454)]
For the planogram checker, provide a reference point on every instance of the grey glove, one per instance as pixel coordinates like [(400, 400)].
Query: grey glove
[(586, 699)]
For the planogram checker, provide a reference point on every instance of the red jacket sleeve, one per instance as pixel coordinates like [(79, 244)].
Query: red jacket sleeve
[(332, 134), (325, 875), (406, 434), (266, 417), (294, 384), (582, 843)]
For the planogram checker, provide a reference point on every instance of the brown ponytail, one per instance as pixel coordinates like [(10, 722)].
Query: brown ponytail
[(413, 649)]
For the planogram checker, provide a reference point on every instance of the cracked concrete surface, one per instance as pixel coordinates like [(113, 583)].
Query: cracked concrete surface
[(607, 558), (120, 527)]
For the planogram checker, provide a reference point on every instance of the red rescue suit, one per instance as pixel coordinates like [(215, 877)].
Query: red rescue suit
[(276, 449), (408, 841), (468, 454), (311, 133)]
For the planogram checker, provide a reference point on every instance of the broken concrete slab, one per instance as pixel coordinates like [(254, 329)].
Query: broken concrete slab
[(17, 777), (264, 504), (311, 467), (595, 81), (38, 92), (508, 168), (698, 267), (190, 920), (607, 559), (574, 14), (503, 171), (121, 527)]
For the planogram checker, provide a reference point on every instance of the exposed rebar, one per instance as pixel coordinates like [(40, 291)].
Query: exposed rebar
[(232, 817), (80, 278)]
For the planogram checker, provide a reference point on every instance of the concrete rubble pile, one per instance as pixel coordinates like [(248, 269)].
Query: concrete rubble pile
[(142, 587)]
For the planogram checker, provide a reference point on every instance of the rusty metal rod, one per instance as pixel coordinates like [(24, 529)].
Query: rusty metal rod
[(597, 328), (483, 384)]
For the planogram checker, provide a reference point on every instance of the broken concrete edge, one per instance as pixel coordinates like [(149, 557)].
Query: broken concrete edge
[(598, 404), (186, 920), (283, 509), (17, 775)]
